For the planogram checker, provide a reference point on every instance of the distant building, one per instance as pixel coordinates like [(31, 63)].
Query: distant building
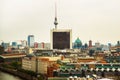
[(90, 43), (35, 45), (43, 45), (38, 64), (97, 44), (47, 45), (105, 48), (24, 43), (5, 45), (109, 45), (61, 39), (118, 43), (77, 44), (31, 41), (14, 44)]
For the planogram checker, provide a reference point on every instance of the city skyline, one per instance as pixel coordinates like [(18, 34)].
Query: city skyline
[(89, 19)]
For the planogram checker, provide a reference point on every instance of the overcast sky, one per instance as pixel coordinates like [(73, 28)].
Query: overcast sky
[(98, 20)]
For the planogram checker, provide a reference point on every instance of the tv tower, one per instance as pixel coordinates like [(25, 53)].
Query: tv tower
[(55, 22)]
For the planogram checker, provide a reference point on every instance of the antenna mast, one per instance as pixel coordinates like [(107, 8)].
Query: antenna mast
[(55, 22)]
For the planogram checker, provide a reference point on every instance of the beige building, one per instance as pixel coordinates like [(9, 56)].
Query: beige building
[(29, 63), (38, 64)]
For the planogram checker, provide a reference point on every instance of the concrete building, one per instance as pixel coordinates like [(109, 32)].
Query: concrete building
[(43, 45), (61, 39), (38, 64), (28, 63)]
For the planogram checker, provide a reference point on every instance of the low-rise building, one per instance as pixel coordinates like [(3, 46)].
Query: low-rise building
[(11, 57), (38, 64), (29, 63)]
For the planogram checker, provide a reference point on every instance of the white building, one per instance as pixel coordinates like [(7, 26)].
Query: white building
[(24, 43), (44, 45)]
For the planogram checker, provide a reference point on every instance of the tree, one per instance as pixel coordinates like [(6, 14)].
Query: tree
[(16, 65), (91, 52), (59, 62), (1, 50)]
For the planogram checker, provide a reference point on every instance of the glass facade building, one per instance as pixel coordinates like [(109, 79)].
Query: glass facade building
[(31, 41), (61, 39)]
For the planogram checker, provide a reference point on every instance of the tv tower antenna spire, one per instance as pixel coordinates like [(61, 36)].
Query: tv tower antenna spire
[(55, 22)]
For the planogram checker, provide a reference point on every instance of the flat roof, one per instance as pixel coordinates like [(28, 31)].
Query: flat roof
[(61, 30), (13, 55)]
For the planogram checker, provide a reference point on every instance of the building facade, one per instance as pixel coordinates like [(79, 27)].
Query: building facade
[(43, 45), (24, 43), (38, 64), (61, 39)]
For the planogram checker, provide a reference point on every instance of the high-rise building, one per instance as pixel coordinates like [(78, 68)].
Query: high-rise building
[(30, 40), (61, 39)]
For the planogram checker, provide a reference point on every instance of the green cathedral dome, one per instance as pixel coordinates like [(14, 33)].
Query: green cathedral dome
[(77, 43)]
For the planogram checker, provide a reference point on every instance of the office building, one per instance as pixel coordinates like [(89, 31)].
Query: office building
[(31, 41), (61, 39)]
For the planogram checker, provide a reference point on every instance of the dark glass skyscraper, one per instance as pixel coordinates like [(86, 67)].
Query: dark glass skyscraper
[(30, 40), (61, 39)]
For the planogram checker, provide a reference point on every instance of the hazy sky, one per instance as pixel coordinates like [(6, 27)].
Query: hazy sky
[(98, 20)]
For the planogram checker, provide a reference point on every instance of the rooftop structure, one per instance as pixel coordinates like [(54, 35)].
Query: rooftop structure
[(11, 57)]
